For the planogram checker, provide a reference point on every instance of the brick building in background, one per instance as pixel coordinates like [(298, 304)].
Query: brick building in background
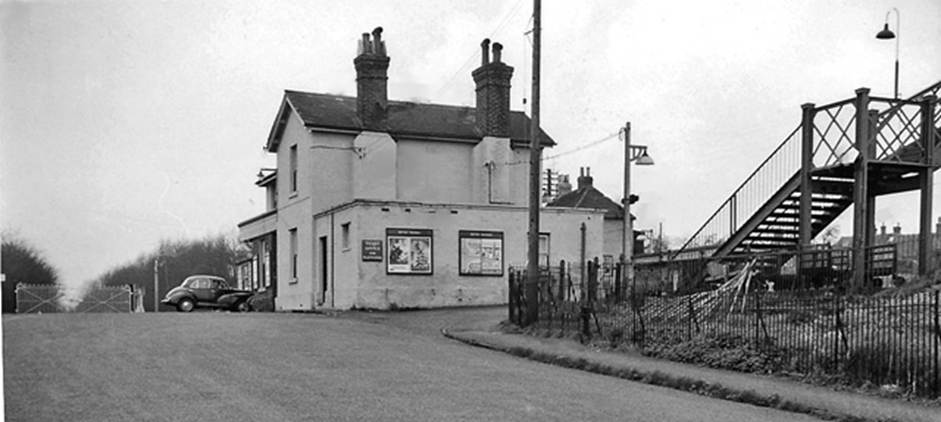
[(383, 204), (586, 196)]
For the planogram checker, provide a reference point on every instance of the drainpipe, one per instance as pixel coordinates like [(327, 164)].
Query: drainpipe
[(332, 242)]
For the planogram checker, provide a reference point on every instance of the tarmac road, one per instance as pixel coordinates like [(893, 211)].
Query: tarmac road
[(300, 367)]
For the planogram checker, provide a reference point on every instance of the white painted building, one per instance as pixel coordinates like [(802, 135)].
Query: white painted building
[(391, 204)]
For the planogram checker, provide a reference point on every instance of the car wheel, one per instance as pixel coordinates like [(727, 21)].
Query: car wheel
[(185, 305), (243, 306)]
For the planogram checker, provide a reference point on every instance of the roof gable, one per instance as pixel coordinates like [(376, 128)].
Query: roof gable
[(407, 119), (589, 197)]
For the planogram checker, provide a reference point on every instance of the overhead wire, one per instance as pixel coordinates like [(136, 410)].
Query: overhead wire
[(591, 144), (473, 56)]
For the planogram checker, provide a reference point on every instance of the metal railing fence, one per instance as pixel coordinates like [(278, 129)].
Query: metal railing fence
[(760, 312)]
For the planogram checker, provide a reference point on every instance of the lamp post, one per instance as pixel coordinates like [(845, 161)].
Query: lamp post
[(886, 34), (636, 153)]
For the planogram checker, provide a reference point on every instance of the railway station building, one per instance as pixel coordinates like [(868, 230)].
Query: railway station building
[(383, 204)]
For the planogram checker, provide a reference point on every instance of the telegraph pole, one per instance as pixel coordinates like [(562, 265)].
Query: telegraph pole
[(627, 237), (156, 284), (535, 150)]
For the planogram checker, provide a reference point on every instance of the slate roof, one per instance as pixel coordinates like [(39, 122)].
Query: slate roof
[(589, 197), (435, 121)]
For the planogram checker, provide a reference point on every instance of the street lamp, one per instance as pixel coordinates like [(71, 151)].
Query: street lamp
[(638, 154), (886, 34)]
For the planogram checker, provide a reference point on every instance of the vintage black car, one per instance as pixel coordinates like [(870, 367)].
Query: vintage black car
[(207, 291)]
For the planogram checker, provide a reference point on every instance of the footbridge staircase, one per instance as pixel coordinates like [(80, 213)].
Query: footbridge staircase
[(841, 154)]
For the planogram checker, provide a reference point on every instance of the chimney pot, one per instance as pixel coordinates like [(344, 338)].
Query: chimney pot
[(485, 52), (882, 229), (497, 52), (364, 44), (377, 44), (897, 229)]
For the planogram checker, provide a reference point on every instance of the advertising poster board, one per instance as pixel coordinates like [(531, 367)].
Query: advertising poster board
[(480, 252), (410, 251)]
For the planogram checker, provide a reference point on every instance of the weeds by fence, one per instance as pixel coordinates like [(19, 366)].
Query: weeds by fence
[(879, 339)]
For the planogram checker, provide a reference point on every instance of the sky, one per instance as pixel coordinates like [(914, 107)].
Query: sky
[(123, 123)]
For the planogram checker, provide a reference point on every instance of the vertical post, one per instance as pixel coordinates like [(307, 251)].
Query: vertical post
[(548, 184), (592, 281), (618, 285), (925, 243), (156, 284), (805, 217), (937, 340), (535, 148), (511, 292), (627, 238), (861, 188), (582, 263)]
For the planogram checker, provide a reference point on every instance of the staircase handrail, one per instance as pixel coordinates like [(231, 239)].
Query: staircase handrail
[(751, 176)]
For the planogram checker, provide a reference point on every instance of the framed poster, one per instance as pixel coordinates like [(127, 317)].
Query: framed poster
[(410, 251), (480, 253), (372, 250)]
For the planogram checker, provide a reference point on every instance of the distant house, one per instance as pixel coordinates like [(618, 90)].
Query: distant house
[(380, 204), (906, 246), (586, 196)]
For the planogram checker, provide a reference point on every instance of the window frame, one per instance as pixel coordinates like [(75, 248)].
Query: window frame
[(292, 240), (292, 158)]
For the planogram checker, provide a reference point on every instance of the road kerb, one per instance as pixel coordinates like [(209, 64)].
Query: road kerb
[(659, 378)]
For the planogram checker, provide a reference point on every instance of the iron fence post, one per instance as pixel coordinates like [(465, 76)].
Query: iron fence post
[(757, 320), (509, 298)]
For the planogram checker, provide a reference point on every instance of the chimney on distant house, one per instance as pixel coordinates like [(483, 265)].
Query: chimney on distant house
[(937, 226), (882, 229), (372, 64), (897, 229), (565, 186), (493, 92), (584, 179)]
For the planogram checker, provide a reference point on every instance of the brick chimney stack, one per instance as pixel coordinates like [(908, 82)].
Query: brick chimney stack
[(897, 229), (584, 179), (372, 65), (493, 92)]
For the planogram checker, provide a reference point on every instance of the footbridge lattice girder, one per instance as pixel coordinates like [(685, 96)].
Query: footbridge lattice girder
[(827, 154)]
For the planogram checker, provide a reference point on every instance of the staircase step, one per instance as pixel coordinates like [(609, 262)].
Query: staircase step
[(819, 205)]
